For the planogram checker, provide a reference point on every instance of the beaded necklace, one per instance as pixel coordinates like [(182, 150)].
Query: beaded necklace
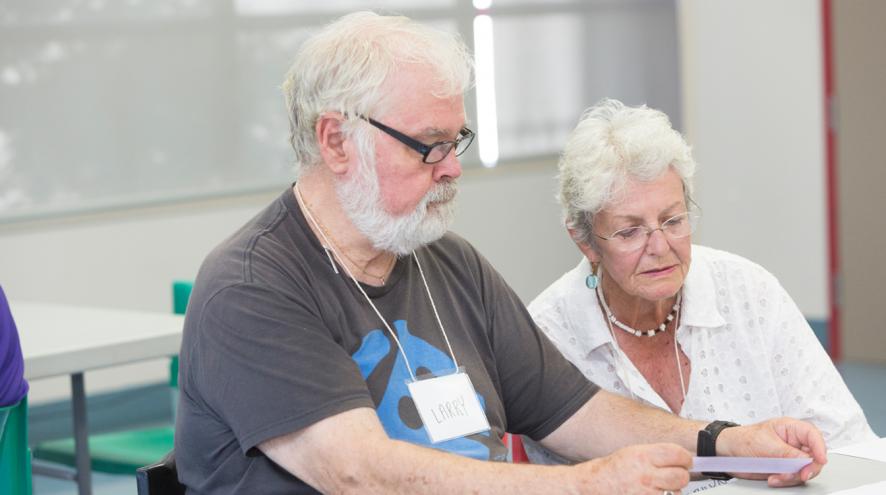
[(633, 331)]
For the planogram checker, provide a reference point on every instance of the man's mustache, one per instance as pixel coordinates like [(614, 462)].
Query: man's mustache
[(444, 192)]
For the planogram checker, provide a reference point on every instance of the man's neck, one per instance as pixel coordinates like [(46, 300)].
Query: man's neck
[(316, 194)]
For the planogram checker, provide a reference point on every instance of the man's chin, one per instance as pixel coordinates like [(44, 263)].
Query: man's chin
[(438, 219), (402, 235), (429, 232), (433, 226)]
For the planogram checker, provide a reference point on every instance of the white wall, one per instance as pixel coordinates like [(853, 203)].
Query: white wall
[(753, 109), (128, 259)]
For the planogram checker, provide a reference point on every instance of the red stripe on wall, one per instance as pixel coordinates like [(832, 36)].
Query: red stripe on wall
[(834, 341)]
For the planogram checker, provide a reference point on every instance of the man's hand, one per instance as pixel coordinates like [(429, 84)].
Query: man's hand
[(780, 437), (639, 469)]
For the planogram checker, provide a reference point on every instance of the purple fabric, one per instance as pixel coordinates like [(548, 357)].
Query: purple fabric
[(12, 368)]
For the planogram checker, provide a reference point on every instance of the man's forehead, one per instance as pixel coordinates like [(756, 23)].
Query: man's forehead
[(442, 132), (431, 117), (414, 96)]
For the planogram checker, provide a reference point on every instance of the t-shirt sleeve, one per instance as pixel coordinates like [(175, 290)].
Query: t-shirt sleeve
[(267, 366), (540, 388)]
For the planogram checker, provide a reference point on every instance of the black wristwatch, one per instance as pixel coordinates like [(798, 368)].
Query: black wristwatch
[(707, 444)]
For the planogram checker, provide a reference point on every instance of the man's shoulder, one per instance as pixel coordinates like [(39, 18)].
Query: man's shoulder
[(458, 257), (270, 233), (455, 247), (452, 240), (257, 270)]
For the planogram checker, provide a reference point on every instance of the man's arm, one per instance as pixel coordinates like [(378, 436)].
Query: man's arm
[(350, 452), (608, 422)]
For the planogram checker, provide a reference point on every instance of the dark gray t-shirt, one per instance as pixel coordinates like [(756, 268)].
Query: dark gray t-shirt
[(275, 341)]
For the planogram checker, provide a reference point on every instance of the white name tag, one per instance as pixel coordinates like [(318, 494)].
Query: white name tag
[(448, 406)]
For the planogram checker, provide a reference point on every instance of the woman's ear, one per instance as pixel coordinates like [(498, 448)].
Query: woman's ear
[(331, 141), (590, 253)]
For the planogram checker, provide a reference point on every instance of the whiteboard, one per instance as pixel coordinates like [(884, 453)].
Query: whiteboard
[(105, 104)]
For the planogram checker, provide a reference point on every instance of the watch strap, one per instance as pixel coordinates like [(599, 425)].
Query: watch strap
[(707, 444)]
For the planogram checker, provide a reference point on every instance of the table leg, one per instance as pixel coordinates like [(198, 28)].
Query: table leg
[(81, 435)]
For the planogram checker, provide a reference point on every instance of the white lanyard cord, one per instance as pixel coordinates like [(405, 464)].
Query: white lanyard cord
[(619, 355), (677, 353), (434, 307), (345, 266), (331, 247)]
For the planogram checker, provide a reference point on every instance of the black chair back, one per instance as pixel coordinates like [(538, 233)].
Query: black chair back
[(160, 478)]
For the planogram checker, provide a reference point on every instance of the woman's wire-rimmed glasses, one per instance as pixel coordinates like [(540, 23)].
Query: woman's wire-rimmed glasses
[(633, 238)]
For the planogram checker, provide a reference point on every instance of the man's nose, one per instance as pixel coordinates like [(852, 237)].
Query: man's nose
[(449, 167)]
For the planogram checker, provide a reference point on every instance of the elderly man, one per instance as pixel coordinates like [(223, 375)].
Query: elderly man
[(343, 341)]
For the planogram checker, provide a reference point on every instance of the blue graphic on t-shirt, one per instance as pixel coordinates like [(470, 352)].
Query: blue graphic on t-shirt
[(376, 347)]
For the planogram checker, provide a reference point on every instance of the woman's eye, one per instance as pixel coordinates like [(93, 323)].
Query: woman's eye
[(628, 233), (675, 221)]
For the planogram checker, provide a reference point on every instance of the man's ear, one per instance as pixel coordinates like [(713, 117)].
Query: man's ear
[(590, 253), (331, 141)]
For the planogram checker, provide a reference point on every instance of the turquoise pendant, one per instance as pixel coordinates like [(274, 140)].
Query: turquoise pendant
[(591, 281)]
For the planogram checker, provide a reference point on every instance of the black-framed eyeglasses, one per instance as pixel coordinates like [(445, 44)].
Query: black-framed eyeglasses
[(430, 153)]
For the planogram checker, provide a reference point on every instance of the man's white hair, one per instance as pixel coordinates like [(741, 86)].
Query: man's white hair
[(345, 66), (611, 144)]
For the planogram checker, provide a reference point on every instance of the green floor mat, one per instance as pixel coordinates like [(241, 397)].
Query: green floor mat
[(117, 453)]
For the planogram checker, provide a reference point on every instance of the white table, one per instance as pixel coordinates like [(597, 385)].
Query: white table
[(70, 340), (840, 473)]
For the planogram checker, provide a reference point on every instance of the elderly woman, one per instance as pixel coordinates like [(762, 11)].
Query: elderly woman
[(703, 333)]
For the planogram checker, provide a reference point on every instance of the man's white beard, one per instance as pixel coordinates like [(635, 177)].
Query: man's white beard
[(360, 198)]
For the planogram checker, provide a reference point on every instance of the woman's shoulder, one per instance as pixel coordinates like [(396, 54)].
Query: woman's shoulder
[(561, 290), (723, 263), (564, 285)]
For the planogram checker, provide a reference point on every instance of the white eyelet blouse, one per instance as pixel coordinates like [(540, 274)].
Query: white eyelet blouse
[(753, 353)]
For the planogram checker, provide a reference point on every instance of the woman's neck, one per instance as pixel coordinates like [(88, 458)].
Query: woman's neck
[(632, 310)]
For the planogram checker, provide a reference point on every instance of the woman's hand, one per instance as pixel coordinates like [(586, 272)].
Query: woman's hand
[(779, 437)]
